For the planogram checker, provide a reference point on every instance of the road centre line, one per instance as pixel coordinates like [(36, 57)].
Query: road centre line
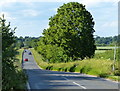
[(75, 83), (79, 85)]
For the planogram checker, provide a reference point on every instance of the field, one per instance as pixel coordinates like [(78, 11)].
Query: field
[(106, 53), (101, 67), (103, 49)]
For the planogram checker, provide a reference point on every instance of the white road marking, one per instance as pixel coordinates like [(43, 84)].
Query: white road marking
[(80, 85), (28, 86), (76, 83), (65, 78)]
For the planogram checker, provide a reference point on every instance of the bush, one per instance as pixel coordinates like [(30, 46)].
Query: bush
[(49, 68), (104, 75), (72, 69), (117, 72), (59, 69), (65, 69)]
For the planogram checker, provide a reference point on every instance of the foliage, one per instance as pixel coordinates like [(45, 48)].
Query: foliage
[(105, 41), (72, 68), (27, 42), (19, 43), (10, 75), (98, 67), (70, 35), (108, 54), (117, 72)]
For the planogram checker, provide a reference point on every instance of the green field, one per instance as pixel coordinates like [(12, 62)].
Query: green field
[(101, 49), (98, 67)]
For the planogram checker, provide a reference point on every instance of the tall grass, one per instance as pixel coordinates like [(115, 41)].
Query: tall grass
[(21, 84), (108, 55), (18, 59), (99, 67)]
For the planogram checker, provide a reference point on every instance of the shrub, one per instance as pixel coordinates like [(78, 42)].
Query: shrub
[(49, 68), (104, 75), (72, 69), (117, 72), (59, 69)]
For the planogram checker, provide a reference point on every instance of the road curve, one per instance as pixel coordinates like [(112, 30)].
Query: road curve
[(44, 79)]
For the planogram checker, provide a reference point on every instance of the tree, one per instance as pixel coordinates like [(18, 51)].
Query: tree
[(10, 75), (71, 31)]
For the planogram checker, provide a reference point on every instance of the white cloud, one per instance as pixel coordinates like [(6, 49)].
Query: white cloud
[(30, 12), (53, 9), (88, 3), (112, 24), (6, 2), (7, 16)]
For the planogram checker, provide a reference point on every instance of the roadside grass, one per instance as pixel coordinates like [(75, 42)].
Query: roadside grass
[(18, 59), (94, 66), (107, 55), (39, 59), (21, 84)]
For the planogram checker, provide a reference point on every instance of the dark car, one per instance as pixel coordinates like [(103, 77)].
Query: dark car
[(30, 53), (26, 59)]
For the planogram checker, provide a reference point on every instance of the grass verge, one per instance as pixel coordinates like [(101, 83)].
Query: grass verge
[(97, 67), (21, 84)]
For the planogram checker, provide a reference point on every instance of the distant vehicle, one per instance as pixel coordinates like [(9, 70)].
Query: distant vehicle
[(26, 59), (25, 51), (30, 53)]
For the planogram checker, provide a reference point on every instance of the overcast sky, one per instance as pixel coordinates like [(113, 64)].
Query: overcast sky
[(32, 16)]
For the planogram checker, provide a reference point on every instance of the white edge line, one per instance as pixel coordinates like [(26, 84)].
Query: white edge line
[(28, 86), (65, 78)]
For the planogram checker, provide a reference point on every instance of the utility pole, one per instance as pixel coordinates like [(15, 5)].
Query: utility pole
[(114, 58)]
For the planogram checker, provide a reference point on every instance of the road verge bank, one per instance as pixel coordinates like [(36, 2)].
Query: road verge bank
[(21, 84), (93, 67)]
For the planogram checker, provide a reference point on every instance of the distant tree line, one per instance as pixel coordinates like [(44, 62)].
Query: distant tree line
[(107, 41), (26, 42), (31, 42)]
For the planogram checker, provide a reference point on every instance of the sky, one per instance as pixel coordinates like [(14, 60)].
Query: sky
[(31, 17)]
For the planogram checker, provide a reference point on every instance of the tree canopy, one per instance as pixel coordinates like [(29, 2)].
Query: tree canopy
[(70, 35), (10, 75)]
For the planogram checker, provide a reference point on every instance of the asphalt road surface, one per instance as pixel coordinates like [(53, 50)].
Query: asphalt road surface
[(45, 79)]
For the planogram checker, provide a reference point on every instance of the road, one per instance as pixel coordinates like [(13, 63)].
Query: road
[(45, 79)]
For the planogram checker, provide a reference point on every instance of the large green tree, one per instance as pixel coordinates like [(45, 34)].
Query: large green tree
[(11, 77), (70, 34)]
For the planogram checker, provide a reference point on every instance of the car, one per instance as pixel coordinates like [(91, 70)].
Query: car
[(30, 53), (26, 59), (25, 51)]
